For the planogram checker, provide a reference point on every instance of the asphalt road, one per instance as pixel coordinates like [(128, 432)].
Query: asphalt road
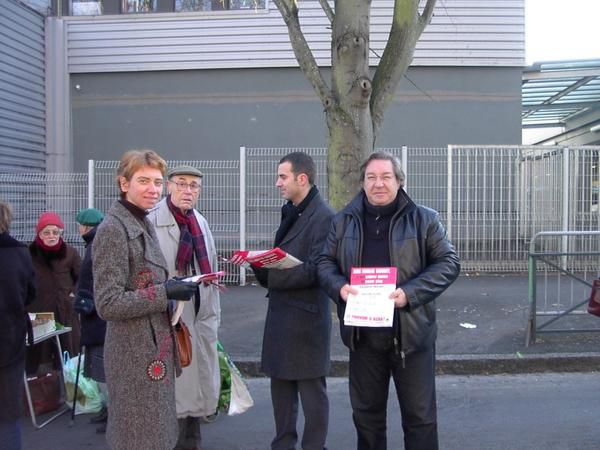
[(550, 411)]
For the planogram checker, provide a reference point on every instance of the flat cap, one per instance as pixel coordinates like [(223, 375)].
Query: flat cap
[(89, 216), (184, 170)]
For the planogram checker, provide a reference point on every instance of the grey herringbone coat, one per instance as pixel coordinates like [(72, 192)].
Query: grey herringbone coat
[(298, 323), (129, 272)]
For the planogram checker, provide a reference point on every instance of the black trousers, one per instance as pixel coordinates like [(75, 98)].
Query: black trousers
[(11, 399), (315, 404), (189, 433), (370, 373)]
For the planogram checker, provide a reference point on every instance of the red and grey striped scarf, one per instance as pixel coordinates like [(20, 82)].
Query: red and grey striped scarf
[(191, 241)]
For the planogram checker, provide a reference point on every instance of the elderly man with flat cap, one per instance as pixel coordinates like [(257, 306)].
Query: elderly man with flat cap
[(188, 246)]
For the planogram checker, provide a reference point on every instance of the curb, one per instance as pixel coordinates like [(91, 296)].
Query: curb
[(471, 364)]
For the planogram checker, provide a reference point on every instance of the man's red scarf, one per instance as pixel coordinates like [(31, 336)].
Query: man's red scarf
[(191, 241)]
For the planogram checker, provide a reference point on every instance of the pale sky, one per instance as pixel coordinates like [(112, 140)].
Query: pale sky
[(556, 30)]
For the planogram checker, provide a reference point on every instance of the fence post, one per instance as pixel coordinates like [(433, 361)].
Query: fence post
[(532, 294), (404, 162), (565, 205), (91, 183), (449, 195), (242, 210)]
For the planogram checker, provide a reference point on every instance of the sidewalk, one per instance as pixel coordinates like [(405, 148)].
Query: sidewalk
[(525, 405), (496, 305), (517, 412)]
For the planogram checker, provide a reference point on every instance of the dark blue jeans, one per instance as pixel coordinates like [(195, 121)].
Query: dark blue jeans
[(370, 373)]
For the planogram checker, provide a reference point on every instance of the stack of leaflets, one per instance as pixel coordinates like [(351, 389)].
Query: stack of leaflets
[(43, 323), (269, 259), (212, 277)]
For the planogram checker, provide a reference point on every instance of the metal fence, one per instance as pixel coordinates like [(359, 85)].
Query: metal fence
[(30, 194), (492, 199), (562, 266), (219, 200)]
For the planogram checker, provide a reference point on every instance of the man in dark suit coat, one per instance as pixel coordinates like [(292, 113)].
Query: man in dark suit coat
[(295, 351)]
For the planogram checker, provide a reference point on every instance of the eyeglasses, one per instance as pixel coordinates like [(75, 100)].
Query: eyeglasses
[(385, 178), (48, 233), (183, 186)]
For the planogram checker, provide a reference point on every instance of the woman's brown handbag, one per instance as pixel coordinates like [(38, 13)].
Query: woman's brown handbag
[(594, 303), (183, 340)]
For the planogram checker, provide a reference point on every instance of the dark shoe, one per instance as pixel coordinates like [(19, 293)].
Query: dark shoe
[(101, 417), (101, 429), (211, 418)]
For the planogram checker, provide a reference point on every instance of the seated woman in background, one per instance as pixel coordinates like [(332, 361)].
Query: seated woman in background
[(56, 265)]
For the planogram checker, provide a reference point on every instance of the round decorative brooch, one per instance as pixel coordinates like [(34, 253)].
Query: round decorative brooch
[(156, 370)]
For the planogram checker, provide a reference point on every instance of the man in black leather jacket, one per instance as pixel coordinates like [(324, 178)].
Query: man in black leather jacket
[(383, 227)]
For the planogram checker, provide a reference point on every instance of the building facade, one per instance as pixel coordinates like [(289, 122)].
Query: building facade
[(22, 89), (197, 82)]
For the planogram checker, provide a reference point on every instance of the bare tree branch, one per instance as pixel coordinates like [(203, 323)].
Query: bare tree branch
[(426, 15), (407, 26), (328, 11), (303, 53)]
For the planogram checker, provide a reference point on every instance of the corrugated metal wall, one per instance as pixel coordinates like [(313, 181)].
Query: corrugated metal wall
[(462, 33), (22, 89)]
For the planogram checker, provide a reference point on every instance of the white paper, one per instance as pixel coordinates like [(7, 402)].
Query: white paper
[(177, 313), (372, 306), (213, 276)]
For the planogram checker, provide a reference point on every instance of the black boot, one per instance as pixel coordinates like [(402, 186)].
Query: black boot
[(101, 417)]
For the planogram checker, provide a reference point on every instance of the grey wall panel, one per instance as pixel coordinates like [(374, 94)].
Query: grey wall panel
[(209, 114), (462, 32), (22, 89)]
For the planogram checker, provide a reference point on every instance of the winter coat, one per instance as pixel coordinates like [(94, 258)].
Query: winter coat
[(139, 351), (93, 328), (56, 277), (197, 389), (17, 279), (296, 341), (426, 261)]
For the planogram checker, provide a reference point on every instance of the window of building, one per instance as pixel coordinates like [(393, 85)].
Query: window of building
[(86, 7), (217, 5), (99, 7), (139, 6)]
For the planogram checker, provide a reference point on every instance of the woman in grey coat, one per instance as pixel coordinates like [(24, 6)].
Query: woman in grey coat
[(131, 294)]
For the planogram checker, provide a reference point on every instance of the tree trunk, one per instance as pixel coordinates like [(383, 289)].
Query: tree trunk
[(355, 104), (349, 116)]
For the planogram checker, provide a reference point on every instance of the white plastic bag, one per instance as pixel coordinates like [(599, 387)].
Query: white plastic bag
[(89, 398), (241, 400), (234, 397)]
